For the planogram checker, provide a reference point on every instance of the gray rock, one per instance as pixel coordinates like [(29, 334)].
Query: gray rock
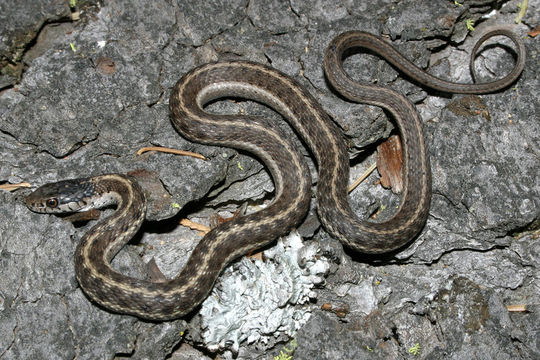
[(19, 29), (84, 96)]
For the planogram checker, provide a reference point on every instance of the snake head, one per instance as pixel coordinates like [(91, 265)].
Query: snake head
[(62, 197)]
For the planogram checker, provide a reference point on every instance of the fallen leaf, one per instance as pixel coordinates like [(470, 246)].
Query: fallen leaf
[(390, 163), (534, 32), (105, 65), (470, 105)]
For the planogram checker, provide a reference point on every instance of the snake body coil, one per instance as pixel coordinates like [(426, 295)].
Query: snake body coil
[(178, 296)]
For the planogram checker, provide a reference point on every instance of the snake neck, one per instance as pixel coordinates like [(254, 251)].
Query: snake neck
[(107, 237)]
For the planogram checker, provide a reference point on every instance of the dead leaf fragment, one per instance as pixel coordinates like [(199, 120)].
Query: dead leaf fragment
[(92, 214), (534, 32), (105, 65), (339, 311), (258, 255), (470, 105), (326, 307), (390, 163)]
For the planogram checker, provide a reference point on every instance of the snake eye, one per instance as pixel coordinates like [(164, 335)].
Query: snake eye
[(52, 203)]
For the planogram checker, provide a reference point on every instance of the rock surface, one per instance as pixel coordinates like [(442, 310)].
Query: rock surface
[(80, 97)]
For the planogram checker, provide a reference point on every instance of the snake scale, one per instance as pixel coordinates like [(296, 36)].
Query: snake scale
[(242, 79)]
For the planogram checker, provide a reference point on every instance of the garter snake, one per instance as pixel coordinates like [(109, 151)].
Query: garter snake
[(177, 297)]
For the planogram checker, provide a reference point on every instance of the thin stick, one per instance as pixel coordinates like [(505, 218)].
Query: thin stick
[(12, 187), (170, 151), (517, 308), (194, 226), (522, 10), (362, 178)]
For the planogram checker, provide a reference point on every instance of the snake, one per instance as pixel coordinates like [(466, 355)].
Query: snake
[(179, 296)]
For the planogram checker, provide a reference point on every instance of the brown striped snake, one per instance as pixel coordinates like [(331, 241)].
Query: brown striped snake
[(180, 295)]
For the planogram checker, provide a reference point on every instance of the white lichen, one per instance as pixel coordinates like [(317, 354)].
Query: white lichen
[(255, 300)]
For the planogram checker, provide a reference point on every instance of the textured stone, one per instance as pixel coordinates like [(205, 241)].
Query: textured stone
[(85, 96)]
